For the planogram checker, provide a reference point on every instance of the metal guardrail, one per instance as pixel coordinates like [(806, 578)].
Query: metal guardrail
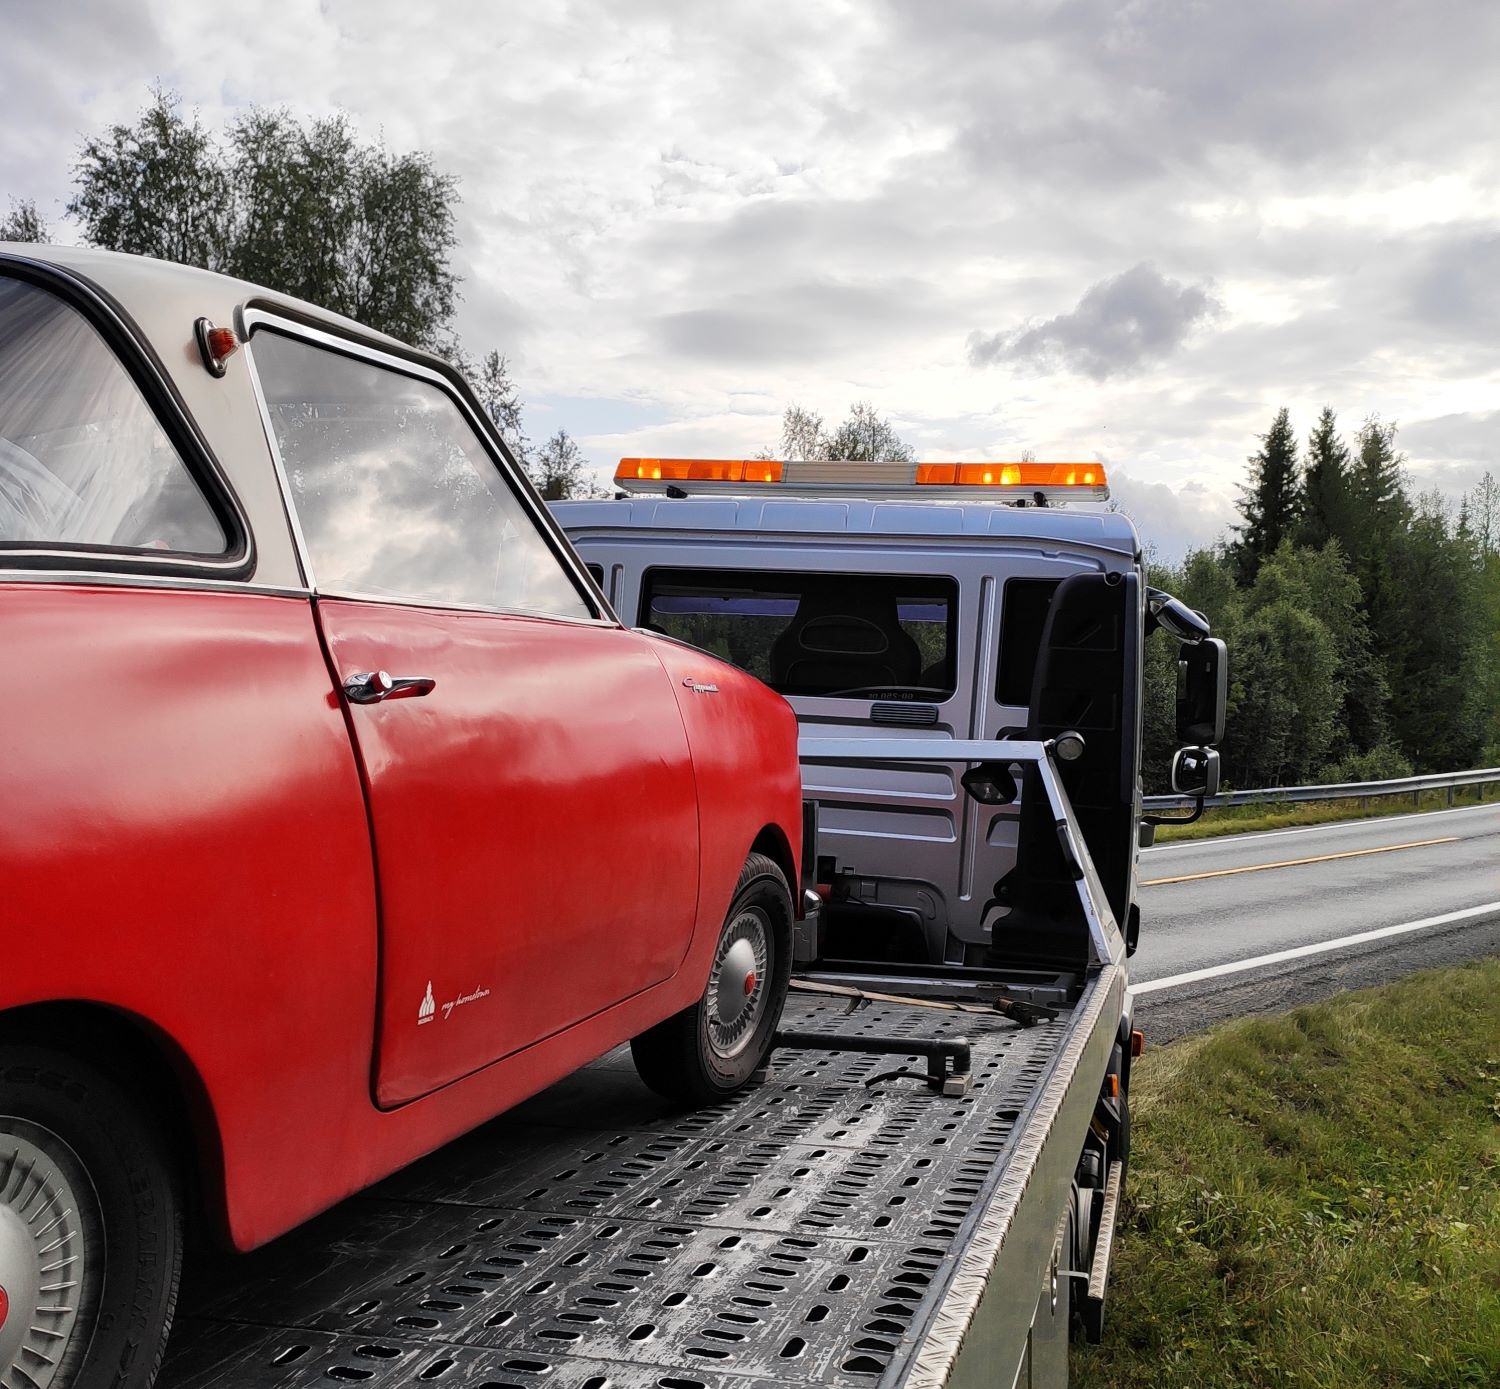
[(1342, 791)]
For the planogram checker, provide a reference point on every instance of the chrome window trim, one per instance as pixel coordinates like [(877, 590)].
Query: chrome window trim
[(299, 542), (396, 600), (552, 533), (110, 578), (207, 473)]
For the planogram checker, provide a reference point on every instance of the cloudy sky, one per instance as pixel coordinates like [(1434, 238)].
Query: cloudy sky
[(1123, 230)]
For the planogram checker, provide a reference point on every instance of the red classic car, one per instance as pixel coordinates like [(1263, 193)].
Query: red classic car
[(338, 811)]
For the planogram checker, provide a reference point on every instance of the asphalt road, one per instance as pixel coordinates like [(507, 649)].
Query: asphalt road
[(1209, 905)]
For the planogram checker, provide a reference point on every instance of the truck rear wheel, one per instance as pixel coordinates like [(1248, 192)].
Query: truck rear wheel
[(90, 1229), (711, 1050)]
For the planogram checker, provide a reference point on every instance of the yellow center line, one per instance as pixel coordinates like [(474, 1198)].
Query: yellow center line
[(1298, 862)]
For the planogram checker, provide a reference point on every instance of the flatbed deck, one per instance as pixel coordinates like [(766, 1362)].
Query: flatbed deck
[(804, 1233)]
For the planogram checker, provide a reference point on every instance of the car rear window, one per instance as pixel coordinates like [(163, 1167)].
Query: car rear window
[(84, 462), (856, 636)]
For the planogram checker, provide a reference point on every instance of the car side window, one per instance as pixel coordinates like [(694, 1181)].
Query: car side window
[(396, 494), (84, 462)]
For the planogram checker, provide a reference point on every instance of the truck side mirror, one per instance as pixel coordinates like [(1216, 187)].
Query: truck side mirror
[(1202, 689), (1195, 772), (1174, 617)]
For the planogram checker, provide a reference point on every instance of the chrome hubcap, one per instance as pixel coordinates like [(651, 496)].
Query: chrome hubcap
[(41, 1259), (738, 984)]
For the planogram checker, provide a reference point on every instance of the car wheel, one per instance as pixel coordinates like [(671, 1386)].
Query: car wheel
[(711, 1050), (90, 1229)]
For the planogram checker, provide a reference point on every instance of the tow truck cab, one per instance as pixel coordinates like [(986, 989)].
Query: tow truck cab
[(935, 601)]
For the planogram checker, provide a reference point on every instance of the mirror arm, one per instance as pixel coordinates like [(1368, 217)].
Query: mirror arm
[(1196, 814)]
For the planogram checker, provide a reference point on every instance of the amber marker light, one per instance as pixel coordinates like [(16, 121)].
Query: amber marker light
[(216, 345)]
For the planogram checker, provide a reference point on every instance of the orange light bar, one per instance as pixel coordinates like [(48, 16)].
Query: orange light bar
[(699, 470), (1011, 474)]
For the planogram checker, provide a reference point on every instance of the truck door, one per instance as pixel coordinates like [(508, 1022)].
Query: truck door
[(1086, 678), (529, 783)]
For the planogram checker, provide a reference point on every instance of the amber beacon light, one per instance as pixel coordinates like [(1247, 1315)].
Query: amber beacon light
[(1016, 483), (753, 470), (1033, 475)]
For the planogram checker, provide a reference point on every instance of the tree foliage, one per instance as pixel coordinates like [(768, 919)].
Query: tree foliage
[(312, 211), (865, 436), (1367, 643), (559, 471), (1324, 510), (1483, 505), (1436, 652), (24, 223), (502, 402), (1270, 502)]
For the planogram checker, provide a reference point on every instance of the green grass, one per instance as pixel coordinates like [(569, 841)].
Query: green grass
[(1242, 819), (1314, 1199)]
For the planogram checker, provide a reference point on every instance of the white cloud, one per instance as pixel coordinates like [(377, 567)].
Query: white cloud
[(1120, 324), (693, 214)]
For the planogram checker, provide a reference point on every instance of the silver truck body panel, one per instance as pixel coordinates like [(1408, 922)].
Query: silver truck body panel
[(913, 840)]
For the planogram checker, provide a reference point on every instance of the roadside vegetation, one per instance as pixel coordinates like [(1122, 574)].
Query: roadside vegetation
[(1245, 819), (1363, 619), (1315, 1199)]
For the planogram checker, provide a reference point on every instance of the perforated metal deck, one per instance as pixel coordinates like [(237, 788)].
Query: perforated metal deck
[(594, 1237)]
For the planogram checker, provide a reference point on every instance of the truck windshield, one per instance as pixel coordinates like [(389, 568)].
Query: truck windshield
[(875, 636)]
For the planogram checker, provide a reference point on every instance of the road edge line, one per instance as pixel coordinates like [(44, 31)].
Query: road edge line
[(1319, 948)]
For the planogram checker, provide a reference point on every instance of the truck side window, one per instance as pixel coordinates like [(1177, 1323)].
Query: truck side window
[(1023, 615), (397, 496), (84, 462), (874, 636)]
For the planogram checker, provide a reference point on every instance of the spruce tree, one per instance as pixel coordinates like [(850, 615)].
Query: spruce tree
[(1269, 502), (1377, 489), (1379, 513), (1436, 651), (1325, 485)]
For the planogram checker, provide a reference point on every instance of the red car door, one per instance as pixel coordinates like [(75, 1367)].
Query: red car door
[(529, 781)]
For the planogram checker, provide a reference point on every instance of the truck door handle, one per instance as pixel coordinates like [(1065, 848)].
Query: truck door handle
[(373, 686)]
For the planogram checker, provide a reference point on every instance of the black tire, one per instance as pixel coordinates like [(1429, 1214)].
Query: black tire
[(58, 1110), (696, 1056)]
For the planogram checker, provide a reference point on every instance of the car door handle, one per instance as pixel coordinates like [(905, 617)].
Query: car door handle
[(373, 686)]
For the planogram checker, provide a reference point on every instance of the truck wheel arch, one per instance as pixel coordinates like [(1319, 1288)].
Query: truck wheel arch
[(152, 1066)]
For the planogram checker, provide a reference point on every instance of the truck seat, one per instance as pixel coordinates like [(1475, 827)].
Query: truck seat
[(840, 640)]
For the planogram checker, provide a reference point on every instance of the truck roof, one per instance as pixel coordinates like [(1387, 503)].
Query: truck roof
[(1108, 530)]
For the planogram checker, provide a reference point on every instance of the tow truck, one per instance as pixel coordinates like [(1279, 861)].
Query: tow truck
[(962, 643), (923, 1188)]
